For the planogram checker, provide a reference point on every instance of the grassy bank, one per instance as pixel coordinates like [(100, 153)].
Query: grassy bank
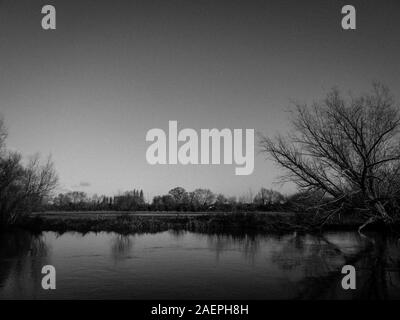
[(199, 222)]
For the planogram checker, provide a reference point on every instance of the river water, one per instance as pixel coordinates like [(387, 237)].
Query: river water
[(186, 265)]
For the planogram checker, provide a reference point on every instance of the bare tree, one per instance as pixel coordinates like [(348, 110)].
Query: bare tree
[(179, 194), (39, 179), (346, 149), (204, 197), (267, 197), (3, 135), (22, 188)]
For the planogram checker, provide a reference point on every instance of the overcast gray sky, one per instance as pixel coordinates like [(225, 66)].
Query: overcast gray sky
[(88, 92)]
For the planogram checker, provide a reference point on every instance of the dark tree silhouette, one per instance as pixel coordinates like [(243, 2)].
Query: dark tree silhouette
[(22, 187), (348, 149)]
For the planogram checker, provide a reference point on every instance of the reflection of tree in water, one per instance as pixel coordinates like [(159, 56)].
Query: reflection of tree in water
[(121, 246), (22, 256), (247, 243), (319, 261), (380, 270), (294, 248), (314, 254), (178, 234)]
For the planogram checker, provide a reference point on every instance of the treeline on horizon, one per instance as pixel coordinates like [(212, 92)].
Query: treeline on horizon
[(343, 154), (177, 199)]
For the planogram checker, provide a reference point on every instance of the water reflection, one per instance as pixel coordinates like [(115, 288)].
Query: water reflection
[(248, 245), (185, 265), (121, 246), (381, 269), (22, 256)]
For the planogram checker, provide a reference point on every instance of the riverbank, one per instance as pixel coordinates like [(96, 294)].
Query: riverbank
[(141, 222)]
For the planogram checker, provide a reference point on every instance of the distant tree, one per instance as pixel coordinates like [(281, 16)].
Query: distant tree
[(221, 203), (95, 199), (221, 199), (74, 200), (129, 201), (347, 149), (263, 196), (204, 197), (3, 135), (77, 197), (168, 202), (104, 203), (157, 203), (232, 201), (165, 202), (268, 197), (179, 194), (23, 188)]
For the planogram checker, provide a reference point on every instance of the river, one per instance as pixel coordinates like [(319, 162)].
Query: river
[(186, 265)]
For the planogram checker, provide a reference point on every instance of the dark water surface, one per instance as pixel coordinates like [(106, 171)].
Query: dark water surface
[(186, 265)]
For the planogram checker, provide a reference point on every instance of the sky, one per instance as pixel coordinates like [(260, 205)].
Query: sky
[(88, 92)]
